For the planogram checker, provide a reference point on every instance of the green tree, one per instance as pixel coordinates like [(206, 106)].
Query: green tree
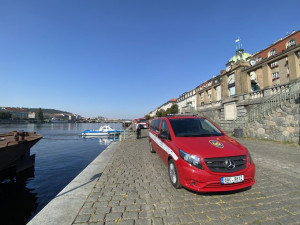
[(5, 115), (174, 109), (40, 115), (147, 117), (160, 113)]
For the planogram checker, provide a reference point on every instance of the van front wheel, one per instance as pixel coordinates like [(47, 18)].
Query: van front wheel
[(173, 174), (151, 148)]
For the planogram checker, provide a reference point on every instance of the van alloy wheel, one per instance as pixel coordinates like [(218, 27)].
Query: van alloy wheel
[(151, 148), (173, 174)]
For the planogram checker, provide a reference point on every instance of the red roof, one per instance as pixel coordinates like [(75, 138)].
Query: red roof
[(10, 109), (279, 45)]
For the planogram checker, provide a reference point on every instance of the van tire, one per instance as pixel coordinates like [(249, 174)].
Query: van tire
[(173, 174)]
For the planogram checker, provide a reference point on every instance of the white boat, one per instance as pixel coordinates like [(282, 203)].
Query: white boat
[(106, 130)]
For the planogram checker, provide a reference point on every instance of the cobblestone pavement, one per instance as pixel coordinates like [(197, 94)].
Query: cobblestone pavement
[(134, 189)]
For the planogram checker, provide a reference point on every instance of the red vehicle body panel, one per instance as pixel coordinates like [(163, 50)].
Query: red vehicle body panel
[(203, 180)]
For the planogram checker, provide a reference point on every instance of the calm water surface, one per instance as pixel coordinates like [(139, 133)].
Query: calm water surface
[(60, 156)]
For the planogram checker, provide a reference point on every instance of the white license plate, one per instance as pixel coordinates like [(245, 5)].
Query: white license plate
[(232, 180)]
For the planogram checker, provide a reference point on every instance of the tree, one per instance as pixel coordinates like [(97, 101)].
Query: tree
[(174, 109), (40, 115), (160, 113), (147, 117), (5, 115)]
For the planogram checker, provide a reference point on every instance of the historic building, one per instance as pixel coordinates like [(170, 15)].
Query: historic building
[(253, 88), (277, 64), (164, 106)]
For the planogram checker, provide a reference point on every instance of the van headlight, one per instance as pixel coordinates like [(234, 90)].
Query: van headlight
[(191, 159)]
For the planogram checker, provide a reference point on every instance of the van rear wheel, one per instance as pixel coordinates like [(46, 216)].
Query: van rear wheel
[(173, 174)]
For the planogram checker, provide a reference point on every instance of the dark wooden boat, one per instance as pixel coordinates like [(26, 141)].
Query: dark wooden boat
[(15, 152)]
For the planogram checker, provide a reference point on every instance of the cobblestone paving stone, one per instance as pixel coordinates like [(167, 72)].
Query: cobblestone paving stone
[(134, 189)]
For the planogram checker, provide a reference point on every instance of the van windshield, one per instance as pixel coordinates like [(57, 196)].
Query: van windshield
[(194, 127)]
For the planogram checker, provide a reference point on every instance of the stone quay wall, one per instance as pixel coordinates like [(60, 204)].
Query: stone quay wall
[(282, 124)]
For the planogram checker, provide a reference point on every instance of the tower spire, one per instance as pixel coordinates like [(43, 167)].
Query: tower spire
[(239, 45)]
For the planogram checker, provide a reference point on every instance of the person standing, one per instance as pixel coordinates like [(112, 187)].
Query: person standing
[(138, 130)]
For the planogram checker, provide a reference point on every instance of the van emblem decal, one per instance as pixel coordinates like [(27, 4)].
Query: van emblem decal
[(216, 143)]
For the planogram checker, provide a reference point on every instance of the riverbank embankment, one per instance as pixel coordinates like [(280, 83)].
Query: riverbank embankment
[(129, 185)]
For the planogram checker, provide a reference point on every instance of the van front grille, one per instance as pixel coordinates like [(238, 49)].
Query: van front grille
[(226, 164)]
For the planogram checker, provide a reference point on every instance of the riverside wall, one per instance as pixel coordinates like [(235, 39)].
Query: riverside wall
[(282, 124)]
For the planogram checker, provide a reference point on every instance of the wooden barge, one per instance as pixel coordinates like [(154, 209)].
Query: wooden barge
[(15, 153)]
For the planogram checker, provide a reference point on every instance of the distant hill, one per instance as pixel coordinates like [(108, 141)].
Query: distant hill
[(50, 111)]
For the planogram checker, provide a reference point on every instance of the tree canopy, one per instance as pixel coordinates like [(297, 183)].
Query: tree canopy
[(172, 110), (40, 115)]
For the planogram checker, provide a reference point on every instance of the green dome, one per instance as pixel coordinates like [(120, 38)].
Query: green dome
[(240, 55)]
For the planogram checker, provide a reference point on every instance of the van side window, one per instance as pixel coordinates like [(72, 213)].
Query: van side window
[(165, 128), (155, 125)]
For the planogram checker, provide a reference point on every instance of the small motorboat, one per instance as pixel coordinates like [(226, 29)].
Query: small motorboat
[(106, 130)]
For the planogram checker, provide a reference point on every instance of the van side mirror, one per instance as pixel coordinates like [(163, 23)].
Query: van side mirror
[(163, 135)]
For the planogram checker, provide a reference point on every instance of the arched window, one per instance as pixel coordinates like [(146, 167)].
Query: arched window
[(290, 43), (272, 52)]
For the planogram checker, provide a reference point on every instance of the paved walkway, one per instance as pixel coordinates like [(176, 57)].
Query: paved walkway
[(134, 189)]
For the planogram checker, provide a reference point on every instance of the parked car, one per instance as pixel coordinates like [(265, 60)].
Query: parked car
[(200, 156), (144, 123)]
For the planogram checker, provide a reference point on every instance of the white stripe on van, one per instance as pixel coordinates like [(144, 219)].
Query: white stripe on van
[(163, 146)]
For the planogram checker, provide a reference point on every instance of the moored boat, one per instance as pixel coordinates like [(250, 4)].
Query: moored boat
[(105, 130), (15, 152)]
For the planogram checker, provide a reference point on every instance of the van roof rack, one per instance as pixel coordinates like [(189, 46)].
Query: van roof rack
[(171, 115)]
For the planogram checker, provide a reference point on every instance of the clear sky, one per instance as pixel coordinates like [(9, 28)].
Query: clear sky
[(124, 58)]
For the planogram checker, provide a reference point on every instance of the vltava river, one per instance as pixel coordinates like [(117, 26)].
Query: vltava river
[(60, 156)]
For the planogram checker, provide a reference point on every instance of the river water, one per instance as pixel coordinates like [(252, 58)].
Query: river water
[(60, 156)]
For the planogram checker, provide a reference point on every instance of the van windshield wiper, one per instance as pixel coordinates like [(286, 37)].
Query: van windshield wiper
[(198, 135)]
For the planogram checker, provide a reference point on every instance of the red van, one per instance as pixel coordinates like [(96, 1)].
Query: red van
[(199, 155), (144, 123)]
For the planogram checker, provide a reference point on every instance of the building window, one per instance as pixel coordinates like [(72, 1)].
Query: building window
[(274, 64), (209, 96), (252, 75), (275, 76), (259, 59), (254, 82), (231, 84), (272, 52), (202, 98), (219, 94), (290, 43)]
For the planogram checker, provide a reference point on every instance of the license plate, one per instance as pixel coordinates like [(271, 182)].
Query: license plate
[(232, 180)]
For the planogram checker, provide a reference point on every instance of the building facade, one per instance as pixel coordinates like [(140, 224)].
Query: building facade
[(164, 106), (250, 86)]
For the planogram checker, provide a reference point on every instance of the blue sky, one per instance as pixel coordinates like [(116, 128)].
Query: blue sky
[(124, 58)]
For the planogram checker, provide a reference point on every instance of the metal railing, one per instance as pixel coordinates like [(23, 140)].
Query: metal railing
[(128, 133), (280, 96)]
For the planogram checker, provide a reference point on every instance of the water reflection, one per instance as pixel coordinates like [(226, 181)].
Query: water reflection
[(103, 140), (17, 201), (60, 156)]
